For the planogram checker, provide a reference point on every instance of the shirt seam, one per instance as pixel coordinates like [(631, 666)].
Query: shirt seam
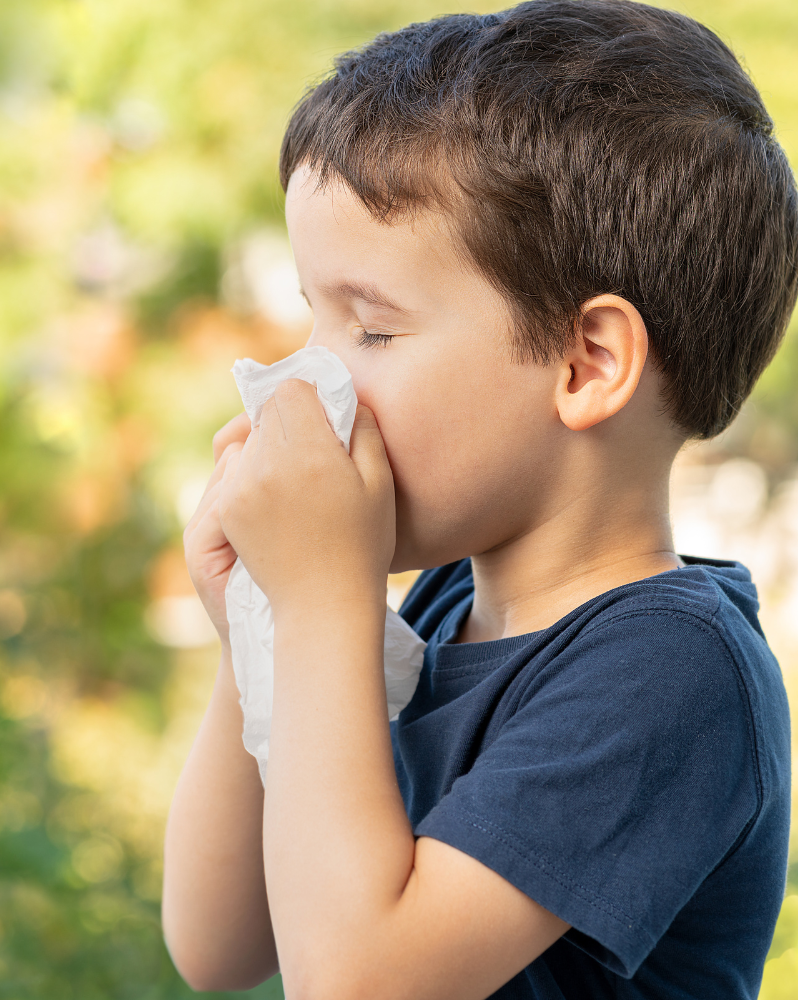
[(751, 727), (480, 666), (711, 627), (704, 620), (561, 878), (592, 626)]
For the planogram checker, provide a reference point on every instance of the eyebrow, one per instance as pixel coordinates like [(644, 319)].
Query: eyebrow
[(359, 290)]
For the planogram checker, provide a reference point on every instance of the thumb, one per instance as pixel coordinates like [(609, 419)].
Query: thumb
[(366, 447)]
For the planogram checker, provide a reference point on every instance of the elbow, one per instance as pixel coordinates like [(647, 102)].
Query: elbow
[(204, 979), (213, 956), (206, 973), (203, 983)]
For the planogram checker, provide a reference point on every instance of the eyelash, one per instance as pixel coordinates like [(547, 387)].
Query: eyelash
[(366, 339)]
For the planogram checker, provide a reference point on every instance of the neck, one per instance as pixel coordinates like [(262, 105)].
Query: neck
[(602, 537)]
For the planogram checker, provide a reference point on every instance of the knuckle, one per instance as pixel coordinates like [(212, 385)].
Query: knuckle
[(290, 387), (222, 437), (314, 466)]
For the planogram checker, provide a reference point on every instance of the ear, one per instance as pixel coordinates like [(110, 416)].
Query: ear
[(600, 373)]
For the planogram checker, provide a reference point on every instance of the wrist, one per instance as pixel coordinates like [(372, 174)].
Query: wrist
[(313, 636), (317, 610), (225, 672)]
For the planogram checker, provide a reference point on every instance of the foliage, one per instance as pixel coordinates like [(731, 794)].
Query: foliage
[(138, 151)]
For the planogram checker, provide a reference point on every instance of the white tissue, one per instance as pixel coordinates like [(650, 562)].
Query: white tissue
[(316, 365), (248, 610)]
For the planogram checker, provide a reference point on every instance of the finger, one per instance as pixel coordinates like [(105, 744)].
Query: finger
[(366, 447), (270, 427), (301, 413), (209, 498), (230, 468), (218, 470), (212, 488), (236, 429), (209, 537), (227, 485)]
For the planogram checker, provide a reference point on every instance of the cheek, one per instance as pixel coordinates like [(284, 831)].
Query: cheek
[(431, 437), (407, 413), (403, 418), (455, 431)]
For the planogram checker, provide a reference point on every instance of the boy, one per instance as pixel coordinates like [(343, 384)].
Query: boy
[(550, 245)]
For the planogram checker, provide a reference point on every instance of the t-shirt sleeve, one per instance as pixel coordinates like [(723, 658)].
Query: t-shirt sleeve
[(625, 776)]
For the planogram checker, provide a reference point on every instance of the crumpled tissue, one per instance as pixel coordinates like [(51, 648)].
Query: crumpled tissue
[(248, 610)]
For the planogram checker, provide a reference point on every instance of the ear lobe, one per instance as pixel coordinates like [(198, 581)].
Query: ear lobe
[(599, 374)]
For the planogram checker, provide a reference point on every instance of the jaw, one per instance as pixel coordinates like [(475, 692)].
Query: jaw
[(569, 499), (449, 524)]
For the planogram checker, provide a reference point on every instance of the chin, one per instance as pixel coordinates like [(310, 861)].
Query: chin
[(412, 554), (407, 556), (403, 561), (425, 538)]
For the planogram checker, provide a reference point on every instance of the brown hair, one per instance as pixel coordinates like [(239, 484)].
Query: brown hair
[(592, 146)]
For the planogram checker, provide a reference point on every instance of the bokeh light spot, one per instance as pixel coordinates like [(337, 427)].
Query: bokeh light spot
[(97, 858)]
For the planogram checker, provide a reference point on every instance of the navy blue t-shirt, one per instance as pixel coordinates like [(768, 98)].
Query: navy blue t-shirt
[(628, 768)]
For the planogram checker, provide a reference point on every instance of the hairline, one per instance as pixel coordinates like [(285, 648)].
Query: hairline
[(441, 199)]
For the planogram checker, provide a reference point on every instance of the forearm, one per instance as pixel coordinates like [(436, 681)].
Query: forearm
[(338, 845), (215, 911)]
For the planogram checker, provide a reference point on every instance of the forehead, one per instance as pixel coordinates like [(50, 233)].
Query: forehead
[(331, 228)]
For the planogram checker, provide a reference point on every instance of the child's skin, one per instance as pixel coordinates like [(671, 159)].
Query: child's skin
[(554, 479)]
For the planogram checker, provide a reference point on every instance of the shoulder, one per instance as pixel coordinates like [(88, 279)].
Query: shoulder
[(693, 632), (679, 660), (609, 765), (707, 591), (699, 623)]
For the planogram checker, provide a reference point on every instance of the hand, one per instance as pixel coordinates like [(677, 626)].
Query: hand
[(209, 555), (312, 524)]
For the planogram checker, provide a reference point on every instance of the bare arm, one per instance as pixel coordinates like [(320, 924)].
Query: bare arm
[(215, 911), (361, 910)]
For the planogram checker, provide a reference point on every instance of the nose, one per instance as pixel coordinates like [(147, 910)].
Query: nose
[(355, 365), (321, 338)]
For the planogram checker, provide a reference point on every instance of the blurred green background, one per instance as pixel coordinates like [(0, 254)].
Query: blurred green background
[(142, 250)]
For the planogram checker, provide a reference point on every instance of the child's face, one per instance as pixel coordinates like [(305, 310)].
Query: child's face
[(471, 436)]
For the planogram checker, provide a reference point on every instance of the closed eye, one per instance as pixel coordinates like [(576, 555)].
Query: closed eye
[(366, 339)]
